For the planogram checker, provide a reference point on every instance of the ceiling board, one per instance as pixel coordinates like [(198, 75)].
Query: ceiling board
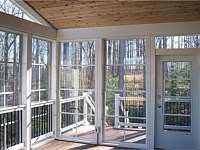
[(80, 14)]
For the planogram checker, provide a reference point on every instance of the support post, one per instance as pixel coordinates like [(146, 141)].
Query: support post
[(53, 90), (116, 110), (126, 118), (76, 87), (85, 109)]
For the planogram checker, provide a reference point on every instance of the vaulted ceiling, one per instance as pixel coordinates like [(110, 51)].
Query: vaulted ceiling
[(84, 13)]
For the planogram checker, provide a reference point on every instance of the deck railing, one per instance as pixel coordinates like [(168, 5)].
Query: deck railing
[(11, 127), (42, 124), (130, 112), (74, 111)]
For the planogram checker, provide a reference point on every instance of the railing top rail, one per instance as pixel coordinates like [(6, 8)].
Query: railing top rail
[(37, 104), (72, 99), (133, 98), (11, 109)]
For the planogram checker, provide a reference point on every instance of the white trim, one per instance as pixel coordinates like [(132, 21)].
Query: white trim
[(12, 109), (75, 139), (43, 142), (28, 94), (151, 106), (125, 145), (41, 137), (18, 146), (30, 12), (148, 93), (42, 103), (179, 52), (72, 126), (14, 23), (126, 31), (99, 89), (53, 83)]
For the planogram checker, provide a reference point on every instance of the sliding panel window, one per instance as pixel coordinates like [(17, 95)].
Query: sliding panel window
[(77, 89), (40, 88), (10, 89), (125, 91), (9, 69)]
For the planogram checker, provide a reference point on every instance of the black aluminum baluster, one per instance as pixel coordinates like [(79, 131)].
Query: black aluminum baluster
[(7, 129), (43, 120), (21, 124), (38, 119), (0, 132), (17, 126), (34, 124), (11, 129), (51, 117), (14, 127)]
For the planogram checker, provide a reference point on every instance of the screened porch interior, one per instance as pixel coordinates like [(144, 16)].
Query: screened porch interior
[(86, 71)]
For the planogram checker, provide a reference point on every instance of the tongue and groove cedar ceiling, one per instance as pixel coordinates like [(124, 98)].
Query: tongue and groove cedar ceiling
[(84, 13)]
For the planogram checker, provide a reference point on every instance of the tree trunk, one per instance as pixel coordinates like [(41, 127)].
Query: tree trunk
[(122, 48)]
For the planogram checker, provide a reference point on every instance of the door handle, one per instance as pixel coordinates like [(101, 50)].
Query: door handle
[(159, 106), (158, 96)]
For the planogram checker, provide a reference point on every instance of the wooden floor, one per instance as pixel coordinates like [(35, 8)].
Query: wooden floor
[(63, 145), (126, 135)]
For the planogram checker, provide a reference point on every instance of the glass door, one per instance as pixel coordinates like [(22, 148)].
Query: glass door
[(77, 91), (174, 105), (125, 92)]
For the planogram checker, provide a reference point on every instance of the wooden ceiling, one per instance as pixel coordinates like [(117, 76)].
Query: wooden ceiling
[(84, 13)]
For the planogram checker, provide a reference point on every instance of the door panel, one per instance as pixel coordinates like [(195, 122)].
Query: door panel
[(174, 102)]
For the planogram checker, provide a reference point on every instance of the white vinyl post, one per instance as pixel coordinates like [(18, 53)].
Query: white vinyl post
[(116, 110), (76, 87), (26, 89), (53, 86), (85, 109)]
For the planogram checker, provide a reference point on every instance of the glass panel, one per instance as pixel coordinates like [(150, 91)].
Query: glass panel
[(35, 96), (44, 77), (66, 77), (177, 70), (177, 100), (78, 53), (177, 120), (124, 133), (40, 69), (9, 68), (67, 120), (44, 95), (178, 108), (10, 101), (133, 50), (89, 130), (177, 88), (1, 101), (35, 77), (83, 75), (40, 51), (9, 47), (77, 89), (180, 42), (9, 8), (125, 96)]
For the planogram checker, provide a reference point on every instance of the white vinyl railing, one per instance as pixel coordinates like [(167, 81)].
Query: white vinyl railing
[(87, 101), (120, 106)]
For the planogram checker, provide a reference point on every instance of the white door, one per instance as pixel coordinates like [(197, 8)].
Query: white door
[(176, 102)]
